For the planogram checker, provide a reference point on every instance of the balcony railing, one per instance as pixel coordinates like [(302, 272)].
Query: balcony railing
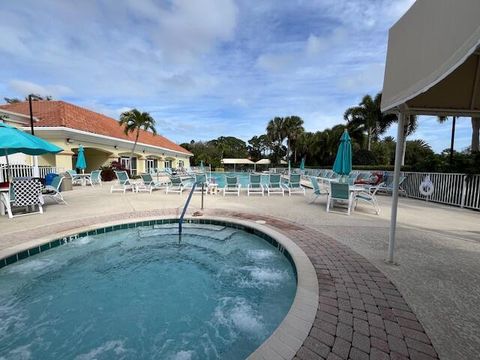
[(21, 170)]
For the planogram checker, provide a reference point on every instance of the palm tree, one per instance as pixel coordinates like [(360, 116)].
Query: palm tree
[(292, 129), (134, 121), (276, 134), (368, 117)]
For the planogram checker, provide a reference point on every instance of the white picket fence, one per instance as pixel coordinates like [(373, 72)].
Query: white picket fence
[(21, 170), (452, 189)]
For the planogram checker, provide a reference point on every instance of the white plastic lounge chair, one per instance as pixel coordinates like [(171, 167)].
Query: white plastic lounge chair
[(255, 185), (76, 179), (386, 186), (52, 191), (23, 193), (176, 185), (274, 185), (340, 192), (199, 180), (293, 186), (96, 177), (123, 183), (367, 197), (232, 186), (317, 189)]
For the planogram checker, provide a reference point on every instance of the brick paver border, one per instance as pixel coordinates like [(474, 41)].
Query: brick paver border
[(361, 315)]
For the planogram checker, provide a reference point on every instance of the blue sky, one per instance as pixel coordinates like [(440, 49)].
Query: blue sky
[(206, 68)]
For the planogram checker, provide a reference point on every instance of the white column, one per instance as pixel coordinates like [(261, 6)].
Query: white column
[(396, 180), (36, 170)]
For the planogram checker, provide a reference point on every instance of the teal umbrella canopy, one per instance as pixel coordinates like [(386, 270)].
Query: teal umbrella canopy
[(13, 140), (81, 163), (302, 164), (343, 161), (201, 165)]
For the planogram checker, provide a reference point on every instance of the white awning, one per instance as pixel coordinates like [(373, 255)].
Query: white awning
[(237, 161), (263, 162), (433, 59)]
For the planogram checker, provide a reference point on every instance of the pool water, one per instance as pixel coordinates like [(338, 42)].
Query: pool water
[(243, 178), (138, 293)]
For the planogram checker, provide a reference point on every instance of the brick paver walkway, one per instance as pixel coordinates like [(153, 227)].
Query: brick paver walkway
[(361, 315)]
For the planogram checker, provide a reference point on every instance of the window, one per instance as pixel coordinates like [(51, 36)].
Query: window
[(168, 164), (125, 162), (151, 165)]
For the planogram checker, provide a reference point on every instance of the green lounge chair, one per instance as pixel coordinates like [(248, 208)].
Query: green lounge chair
[(123, 183), (232, 186), (367, 197), (176, 185), (52, 191), (255, 185), (386, 186), (148, 184), (293, 186), (317, 190), (274, 185), (76, 180), (201, 179), (96, 177), (340, 192)]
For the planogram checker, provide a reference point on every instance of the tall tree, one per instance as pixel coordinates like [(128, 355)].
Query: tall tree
[(133, 121), (368, 117), (276, 135), (292, 129)]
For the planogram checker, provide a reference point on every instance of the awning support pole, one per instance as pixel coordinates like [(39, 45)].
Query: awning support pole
[(396, 181)]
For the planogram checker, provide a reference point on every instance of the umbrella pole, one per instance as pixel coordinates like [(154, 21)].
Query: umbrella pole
[(396, 181), (8, 166)]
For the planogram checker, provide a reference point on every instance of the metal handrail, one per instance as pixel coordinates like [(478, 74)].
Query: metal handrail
[(180, 221)]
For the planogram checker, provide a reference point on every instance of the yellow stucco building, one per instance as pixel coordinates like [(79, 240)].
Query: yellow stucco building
[(69, 126)]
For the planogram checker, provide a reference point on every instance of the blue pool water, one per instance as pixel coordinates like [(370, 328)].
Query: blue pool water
[(139, 294), (243, 178)]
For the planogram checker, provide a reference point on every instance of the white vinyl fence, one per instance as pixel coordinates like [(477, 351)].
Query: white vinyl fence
[(452, 189), (20, 170)]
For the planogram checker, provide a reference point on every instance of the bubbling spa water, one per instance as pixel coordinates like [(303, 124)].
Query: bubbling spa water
[(139, 294)]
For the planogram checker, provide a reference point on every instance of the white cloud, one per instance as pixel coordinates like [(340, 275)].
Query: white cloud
[(26, 87)]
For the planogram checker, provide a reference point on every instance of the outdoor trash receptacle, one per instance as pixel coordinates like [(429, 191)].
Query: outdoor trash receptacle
[(49, 178), (66, 184)]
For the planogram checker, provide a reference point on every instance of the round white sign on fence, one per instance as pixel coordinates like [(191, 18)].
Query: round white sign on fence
[(426, 187)]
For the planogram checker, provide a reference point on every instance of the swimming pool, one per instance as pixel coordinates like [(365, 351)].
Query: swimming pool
[(243, 178), (138, 293)]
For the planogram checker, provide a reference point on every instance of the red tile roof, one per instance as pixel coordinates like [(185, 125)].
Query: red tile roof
[(61, 113)]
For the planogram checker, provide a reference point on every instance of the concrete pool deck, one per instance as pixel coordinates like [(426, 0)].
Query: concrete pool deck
[(437, 250)]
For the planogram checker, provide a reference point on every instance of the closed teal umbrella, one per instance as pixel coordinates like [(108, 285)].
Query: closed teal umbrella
[(343, 161), (202, 168), (81, 163), (302, 164)]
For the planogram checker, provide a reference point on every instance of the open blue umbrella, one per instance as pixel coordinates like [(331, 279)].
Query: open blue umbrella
[(343, 161), (81, 163), (13, 141)]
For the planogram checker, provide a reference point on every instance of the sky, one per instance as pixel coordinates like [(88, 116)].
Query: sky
[(206, 68)]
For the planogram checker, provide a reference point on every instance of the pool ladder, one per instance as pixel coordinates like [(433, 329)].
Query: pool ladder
[(180, 221)]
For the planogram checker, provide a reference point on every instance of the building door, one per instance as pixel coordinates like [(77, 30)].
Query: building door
[(151, 165), (125, 162)]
